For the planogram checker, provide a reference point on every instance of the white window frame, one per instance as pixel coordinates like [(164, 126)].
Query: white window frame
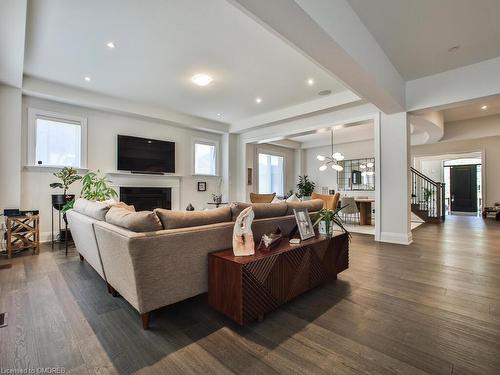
[(265, 151), (34, 114), (209, 142)]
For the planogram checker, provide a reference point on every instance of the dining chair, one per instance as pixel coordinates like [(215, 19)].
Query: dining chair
[(350, 208), (330, 202), (261, 198)]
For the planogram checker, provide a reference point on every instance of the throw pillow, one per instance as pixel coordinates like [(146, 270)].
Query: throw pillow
[(184, 219), (142, 221)]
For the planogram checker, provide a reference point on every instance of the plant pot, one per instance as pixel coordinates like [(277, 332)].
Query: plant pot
[(306, 198), (325, 228), (59, 200)]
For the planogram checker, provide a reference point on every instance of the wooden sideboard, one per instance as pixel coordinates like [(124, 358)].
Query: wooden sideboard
[(247, 288)]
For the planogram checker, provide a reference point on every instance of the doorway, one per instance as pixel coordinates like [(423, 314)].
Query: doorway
[(463, 188), (463, 178)]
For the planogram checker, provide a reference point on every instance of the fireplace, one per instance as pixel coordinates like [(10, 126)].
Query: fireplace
[(147, 198)]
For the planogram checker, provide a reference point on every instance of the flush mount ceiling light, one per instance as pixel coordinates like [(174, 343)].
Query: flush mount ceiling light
[(484, 107), (258, 100), (310, 81), (201, 79), (87, 79), (332, 160), (110, 44)]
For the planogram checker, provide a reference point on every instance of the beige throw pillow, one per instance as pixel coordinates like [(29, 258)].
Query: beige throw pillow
[(142, 221), (96, 210), (184, 219)]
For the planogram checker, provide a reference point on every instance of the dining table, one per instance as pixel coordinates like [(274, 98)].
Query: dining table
[(365, 210)]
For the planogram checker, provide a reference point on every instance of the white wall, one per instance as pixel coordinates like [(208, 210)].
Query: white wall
[(103, 128), (328, 178), (10, 145), (433, 169)]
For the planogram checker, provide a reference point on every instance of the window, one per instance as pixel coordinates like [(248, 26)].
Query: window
[(56, 139), (271, 174), (205, 158)]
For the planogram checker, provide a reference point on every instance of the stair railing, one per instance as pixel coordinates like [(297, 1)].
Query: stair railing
[(427, 194)]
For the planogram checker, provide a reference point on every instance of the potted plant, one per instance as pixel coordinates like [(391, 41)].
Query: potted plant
[(305, 187), (68, 176), (94, 188), (325, 220)]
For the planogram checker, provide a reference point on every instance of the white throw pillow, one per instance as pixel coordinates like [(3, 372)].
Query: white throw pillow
[(276, 200), (293, 198)]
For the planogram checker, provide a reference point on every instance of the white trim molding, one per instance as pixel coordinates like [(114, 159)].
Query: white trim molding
[(397, 238)]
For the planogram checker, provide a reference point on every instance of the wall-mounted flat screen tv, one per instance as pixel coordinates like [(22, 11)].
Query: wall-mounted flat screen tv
[(145, 155)]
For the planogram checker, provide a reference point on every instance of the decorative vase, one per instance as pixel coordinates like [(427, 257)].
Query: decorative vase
[(325, 228)]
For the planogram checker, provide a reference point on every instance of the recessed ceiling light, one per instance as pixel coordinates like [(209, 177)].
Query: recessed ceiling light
[(111, 44), (484, 107), (219, 114), (258, 100), (310, 81), (87, 79), (454, 48), (201, 79)]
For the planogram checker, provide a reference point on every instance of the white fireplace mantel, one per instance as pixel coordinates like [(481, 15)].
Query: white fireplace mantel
[(127, 179)]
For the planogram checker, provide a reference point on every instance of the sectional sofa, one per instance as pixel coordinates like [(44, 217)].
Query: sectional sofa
[(156, 258)]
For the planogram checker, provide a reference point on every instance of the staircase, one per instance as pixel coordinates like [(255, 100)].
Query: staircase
[(427, 197)]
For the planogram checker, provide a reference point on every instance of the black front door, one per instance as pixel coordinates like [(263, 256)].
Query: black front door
[(463, 188)]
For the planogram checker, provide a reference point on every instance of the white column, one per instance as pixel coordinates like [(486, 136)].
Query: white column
[(10, 147), (393, 166)]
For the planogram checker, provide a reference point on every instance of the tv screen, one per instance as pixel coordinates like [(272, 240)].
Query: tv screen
[(145, 155)]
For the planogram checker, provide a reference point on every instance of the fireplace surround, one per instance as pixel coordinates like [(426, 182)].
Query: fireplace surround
[(147, 198)]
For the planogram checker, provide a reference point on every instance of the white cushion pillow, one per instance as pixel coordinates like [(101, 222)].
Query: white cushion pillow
[(293, 198)]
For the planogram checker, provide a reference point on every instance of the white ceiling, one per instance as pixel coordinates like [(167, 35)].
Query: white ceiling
[(473, 110), (416, 34), (347, 134), (160, 45)]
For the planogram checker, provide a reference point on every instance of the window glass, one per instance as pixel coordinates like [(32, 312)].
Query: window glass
[(271, 174), (205, 159), (58, 143)]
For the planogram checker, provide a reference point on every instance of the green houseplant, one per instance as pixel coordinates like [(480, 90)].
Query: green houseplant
[(94, 188), (67, 176), (330, 217), (305, 187)]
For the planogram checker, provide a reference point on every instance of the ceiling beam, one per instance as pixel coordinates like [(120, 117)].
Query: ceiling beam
[(454, 86), (331, 34), (330, 102), (38, 88), (12, 37)]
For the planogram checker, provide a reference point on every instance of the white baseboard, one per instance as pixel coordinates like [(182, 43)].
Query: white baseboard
[(399, 238)]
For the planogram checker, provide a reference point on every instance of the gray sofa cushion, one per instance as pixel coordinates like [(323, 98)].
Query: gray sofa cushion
[(261, 210), (312, 206), (95, 210), (185, 219), (142, 221)]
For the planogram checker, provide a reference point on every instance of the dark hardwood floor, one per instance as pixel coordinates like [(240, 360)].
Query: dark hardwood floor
[(432, 307)]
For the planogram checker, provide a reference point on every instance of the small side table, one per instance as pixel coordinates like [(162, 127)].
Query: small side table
[(217, 205), (23, 232)]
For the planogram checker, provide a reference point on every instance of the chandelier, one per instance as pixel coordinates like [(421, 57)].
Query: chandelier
[(331, 161)]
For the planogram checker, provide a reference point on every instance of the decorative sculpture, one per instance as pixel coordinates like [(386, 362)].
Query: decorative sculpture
[(243, 244)]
